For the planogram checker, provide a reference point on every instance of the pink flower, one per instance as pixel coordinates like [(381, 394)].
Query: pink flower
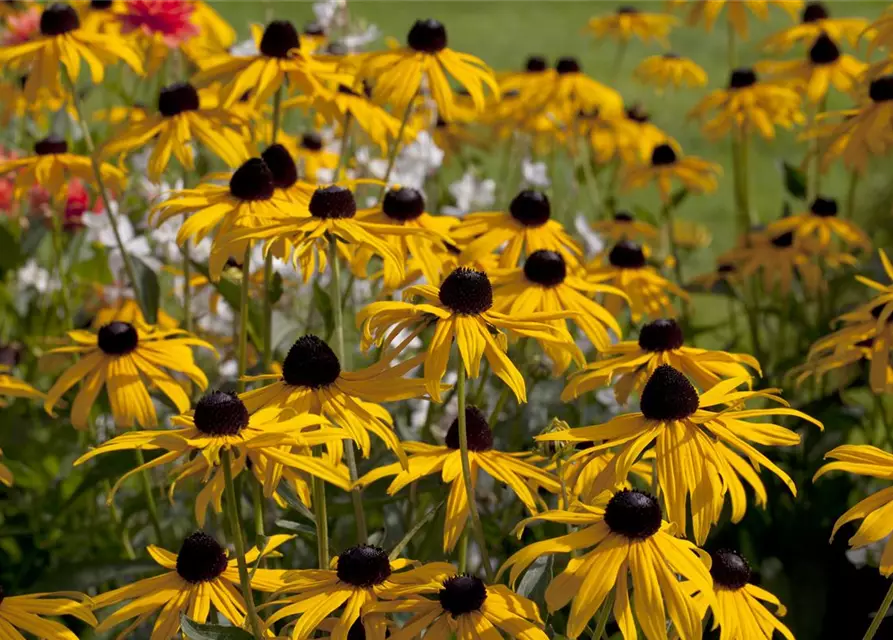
[(7, 201), (168, 18), (21, 27)]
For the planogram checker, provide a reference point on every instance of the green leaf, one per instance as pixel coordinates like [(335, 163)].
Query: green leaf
[(10, 251), (794, 181), (31, 239), (291, 499), (232, 293), (148, 291), (297, 527), (678, 197), (398, 548), (323, 304), (204, 631), (275, 290)]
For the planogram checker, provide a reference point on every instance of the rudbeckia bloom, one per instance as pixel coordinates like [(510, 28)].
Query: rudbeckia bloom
[(631, 135), (701, 455), (627, 366), (821, 224), (526, 91), (358, 577), (461, 310), (546, 284), (63, 41), (15, 388), (180, 118), (219, 423), (199, 579), (748, 105), (427, 459), (127, 359), (573, 91), (465, 608), (624, 226), (647, 291), (312, 381), (780, 259), (630, 543), (311, 156), (52, 166), (667, 165), (865, 460), (397, 73), (285, 176), (707, 11), (526, 227), (628, 21), (823, 67), (814, 21), (24, 614), (670, 69)]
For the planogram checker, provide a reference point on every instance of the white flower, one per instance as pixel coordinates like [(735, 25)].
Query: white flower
[(327, 11), (593, 241), (33, 276), (535, 174), (99, 231), (157, 192), (471, 193), (356, 41), (414, 163), (245, 48)]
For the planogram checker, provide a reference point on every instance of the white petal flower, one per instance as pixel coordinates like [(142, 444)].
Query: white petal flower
[(535, 174), (471, 194)]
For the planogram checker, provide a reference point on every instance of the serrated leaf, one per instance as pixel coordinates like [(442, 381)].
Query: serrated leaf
[(323, 303), (794, 181), (205, 631), (147, 289)]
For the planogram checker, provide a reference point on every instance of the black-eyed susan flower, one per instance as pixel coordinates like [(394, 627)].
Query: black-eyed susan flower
[(127, 360), (667, 165), (821, 225), (358, 577), (629, 136), (670, 69), (623, 225), (220, 423), (285, 176), (461, 310), (701, 455), (628, 22), (823, 67), (748, 105), (52, 166), (815, 20), (397, 74), (627, 366), (427, 459), (13, 387), (573, 92), (647, 291), (707, 11), (780, 259), (546, 283), (311, 155), (740, 607), (25, 613), (525, 91), (101, 17), (725, 273), (464, 607), (63, 41), (180, 118), (199, 579), (526, 227), (631, 546)]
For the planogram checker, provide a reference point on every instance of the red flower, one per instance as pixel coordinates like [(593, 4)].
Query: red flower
[(7, 202), (21, 27), (168, 18)]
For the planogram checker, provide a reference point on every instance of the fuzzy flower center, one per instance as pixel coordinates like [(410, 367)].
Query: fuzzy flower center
[(480, 437), (545, 267), (881, 89), (813, 12), (824, 207), (668, 395), (824, 50), (742, 78), (58, 19), (627, 255), (427, 36), (567, 65), (312, 141), (784, 240), (466, 291), (201, 558), (663, 155), (252, 181), (279, 38), (403, 204), (220, 414), (531, 208), (50, 145), (462, 594), (364, 566), (637, 113), (117, 338), (177, 98), (633, 514), (729, 570), (661, 335), (623, 216), (333, 202), (310, 363), (281, 165), (535, 64)]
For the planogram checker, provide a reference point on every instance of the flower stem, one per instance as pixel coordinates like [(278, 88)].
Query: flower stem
[(150, 497), (463, 552), (236, 534), (466, 474), (603, 616), (243, 317), (268, 262), (850, 211), (880, 615), (349, 455), (344, 154), (60, 267), (392, 156), (258, 500), (187, 288), (120, 526), (320, 511)]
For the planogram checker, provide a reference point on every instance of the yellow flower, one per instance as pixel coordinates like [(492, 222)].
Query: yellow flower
[(24, 613), (311, 156), (748, 105), (427, 459), (524, 92), (820, 224), (397, 74), (816, 20), (624, 226), (628, 21), (573, 92), (15, 388), (127, 359), (631, 135), (668, 164), (670, 69), (701, 455), (707, 11), (628, 539)]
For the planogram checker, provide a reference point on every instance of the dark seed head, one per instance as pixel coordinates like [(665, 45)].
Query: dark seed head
[(279, 38), (627, 255), (201, 558), (220, 414), (824, 207), (312, 140), (729, 570), (480, 438), (668, 395), (177, 98), (101, 4), (824, 50), (637, 113), (626, 10), (252, 181), (403, 203), (661, 335), (281, 165), (877, 310), (462, 594), (623, 216), (332, 202), (2, 594), (671, 56), (10, 355), (726, 268), (466, 291), (50, 145), (531, 208), (881, 89), (784, 240), (117, 338), (633, 514), (813, 12), (663, 155), (57, 19), (314, 29), (427, 36), (310, 363), (567, 65), (545, 267), (364, 566), (535, 64), (742, 78)]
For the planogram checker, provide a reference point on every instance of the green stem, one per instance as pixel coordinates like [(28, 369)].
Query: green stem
[(236, 534), (603, 616), (345, 147), (850, 211), (392, 155), (187, 288), (60, 267), (120, 527), (466, 474), (677, 261), (463, 552), (243, 317), (880, 615), (268, 313), (277, 114), (320, 512), (258, 500), (150, 497), (731, 46), (500, 403)]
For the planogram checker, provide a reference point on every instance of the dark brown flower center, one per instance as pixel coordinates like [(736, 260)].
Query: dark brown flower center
[(279, 38), (332, 202), (824, 207), (729, 570), (462, 594), (623, 216), (466, 291), (784, 240), (281, 165), (117, 338), (177, 98), (536, 64), (101, 4), (881, 89), (626, 10), (310, 363), (668, 395), (824, 50), (545, 267), (363, 566), (480, 437), (663, 155), (312, 140), (201, 558), (404, 203), (220, 414), (58, 19), (742, 78), (661, 335), (627, 255), (427, 36), (726, 268), (50, 145), (567, 65), (633, 514), (314, 29), (252, 181), (531, 208), (637, 113), (813, 12)]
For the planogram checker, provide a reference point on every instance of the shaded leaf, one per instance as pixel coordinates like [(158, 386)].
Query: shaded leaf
[(323, 303), (147, 289), (205, 631), (794, 181), (398, 548), (10, 251)]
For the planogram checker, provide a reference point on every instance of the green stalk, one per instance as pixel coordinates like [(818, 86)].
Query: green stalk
[(392, 155), (603, 616), (880, 615), (677, 261), (187, 289), (320, 512), (236, 534), (850, 211), (258, 500), (120, 527), (268, 262), (60, 267), (345, 148), (243, 317), (150, 497), (463, 552)]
